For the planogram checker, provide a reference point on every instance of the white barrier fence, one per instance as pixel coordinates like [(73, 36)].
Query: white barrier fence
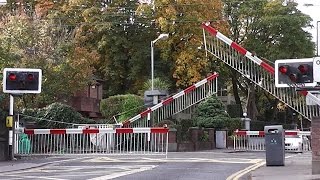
[(295, 141), (124, 141)]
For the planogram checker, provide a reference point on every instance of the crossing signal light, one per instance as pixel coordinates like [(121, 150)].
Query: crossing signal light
[(20, 80), (283, 69), (294, 72), (30, 77), (12, 77)]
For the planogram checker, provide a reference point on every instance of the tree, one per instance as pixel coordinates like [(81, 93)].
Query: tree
[(211, 114), (121, 107), (121, 32), (182, 19), (37, 43), (272, 29), (55, 115)]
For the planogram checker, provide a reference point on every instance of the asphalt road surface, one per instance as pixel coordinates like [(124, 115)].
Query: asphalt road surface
[(210, 165)]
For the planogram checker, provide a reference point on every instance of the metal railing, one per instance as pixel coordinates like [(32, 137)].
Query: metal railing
[(123, 141), (257, 73), (179, 102), (255, 141)]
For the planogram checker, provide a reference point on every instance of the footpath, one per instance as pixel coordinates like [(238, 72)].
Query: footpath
[(297, 167), (27, 162)]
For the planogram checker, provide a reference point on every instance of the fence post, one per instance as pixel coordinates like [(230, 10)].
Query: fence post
[(211, 137), (172, 143), (195, 137)]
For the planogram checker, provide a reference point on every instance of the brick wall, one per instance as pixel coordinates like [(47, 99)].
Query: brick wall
[(194, 144), (315, 144)]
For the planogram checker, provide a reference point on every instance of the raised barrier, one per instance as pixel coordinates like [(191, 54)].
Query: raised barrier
[(295, 141), (124, 141)]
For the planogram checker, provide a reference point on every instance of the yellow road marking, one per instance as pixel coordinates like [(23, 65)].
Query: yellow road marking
[(253, 167)]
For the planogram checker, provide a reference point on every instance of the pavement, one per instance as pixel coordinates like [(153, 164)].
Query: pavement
[(23, 163), (297, 167)]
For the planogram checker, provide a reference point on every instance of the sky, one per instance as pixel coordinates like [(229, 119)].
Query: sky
[(312, 10)]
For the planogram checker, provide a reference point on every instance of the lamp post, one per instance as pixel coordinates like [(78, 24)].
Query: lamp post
[(317, 26), (161, 37), (246, 121), (318, 38)]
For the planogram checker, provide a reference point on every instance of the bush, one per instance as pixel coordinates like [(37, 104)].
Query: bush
[(232, 124), (182, 127), (122, 106), (56, 115), (211, 114)]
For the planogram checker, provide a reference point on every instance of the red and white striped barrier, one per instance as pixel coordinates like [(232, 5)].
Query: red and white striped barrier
[(121, 141), (96, 131), (251, 56), (170, 99), (255, 141), (261, 133), (238, 48)]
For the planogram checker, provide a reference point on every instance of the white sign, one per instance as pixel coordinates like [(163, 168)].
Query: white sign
[(21, 80), (280, 83), (316, 69)]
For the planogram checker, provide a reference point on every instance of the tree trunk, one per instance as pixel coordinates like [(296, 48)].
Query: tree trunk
[(252, 110), (235, 89)]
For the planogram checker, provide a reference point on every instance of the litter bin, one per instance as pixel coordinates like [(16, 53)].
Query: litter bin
[(274, 141), (24, 144)]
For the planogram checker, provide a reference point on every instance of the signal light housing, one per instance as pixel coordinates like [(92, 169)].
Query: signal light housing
[(294, 72), (22, 80)]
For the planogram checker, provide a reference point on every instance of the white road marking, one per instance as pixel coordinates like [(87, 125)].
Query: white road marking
[(119, 174), (99, 171), (34, 177), (151, 160)]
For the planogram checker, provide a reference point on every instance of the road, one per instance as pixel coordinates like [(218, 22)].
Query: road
[(216, 165)]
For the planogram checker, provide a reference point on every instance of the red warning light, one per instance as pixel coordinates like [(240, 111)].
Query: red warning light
[(303, 68), (12, 77), (283, 69), (30, 77)]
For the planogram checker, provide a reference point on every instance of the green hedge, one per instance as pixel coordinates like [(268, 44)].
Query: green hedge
[(121, 106), (211, 113), (56, 115)]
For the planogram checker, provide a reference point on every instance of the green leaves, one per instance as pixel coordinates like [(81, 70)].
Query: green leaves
[(182, 20), (211, 114), (55, 115), (121, 107)]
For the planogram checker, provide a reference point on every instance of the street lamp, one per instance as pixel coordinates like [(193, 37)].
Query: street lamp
[(317, 26), (317, 38), (161, 37)]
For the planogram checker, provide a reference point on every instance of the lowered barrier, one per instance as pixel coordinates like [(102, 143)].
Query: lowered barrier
[(295, 141), (124, 141)]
